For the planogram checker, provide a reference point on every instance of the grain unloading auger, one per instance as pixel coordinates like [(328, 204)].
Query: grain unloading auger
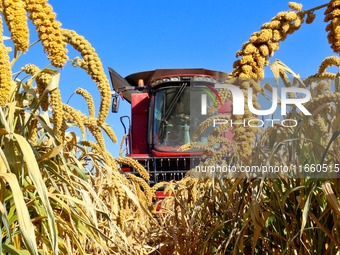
[(166, 108)]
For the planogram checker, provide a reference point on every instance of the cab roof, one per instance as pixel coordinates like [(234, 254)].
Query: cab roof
[(150, 76)]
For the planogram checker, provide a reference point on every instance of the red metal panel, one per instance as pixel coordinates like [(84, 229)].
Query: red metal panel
[(139, 156), (139, 122), (155, 153)]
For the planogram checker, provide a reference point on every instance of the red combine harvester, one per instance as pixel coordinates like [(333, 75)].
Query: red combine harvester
[(166, 108)]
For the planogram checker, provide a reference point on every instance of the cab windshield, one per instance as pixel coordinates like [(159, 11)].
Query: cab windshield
[(177, 114)]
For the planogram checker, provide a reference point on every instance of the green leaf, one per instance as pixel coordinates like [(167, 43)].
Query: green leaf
[(81, 172), (34, 173), (12, 250), (25, 224)]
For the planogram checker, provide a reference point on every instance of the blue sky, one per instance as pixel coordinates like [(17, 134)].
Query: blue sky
[(133, 36)]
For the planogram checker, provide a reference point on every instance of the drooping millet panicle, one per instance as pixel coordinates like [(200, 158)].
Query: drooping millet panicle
[(5, 71), (57, 109), (327, 62), (91, 123), (109, 160), (79, 62), (109, 131), (333, 15), (317, 87), (62, 130), (208, 122), (34, 133), (256, 52), (49, 31), (144, 185), (31, 69), (16, 20), (121, 196), (88, 120), (254, 56), (141, 195), (158, 185), (135, 165), (317, 77), (42, 79), (121, 145), (97, 147), (94, 68), (224, 94), (76, 116), (320, 124), (89, 100), (219, 130), (205, 148), (112, 162), (185, 147), (321, 87), (97, 134), (315, 102)]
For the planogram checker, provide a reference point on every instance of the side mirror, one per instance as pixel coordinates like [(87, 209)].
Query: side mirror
[(115, 103)]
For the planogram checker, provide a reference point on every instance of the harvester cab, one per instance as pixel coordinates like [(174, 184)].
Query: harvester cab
[(167, 105)]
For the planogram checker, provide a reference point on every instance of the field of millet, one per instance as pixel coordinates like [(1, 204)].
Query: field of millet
[(64, 194)]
